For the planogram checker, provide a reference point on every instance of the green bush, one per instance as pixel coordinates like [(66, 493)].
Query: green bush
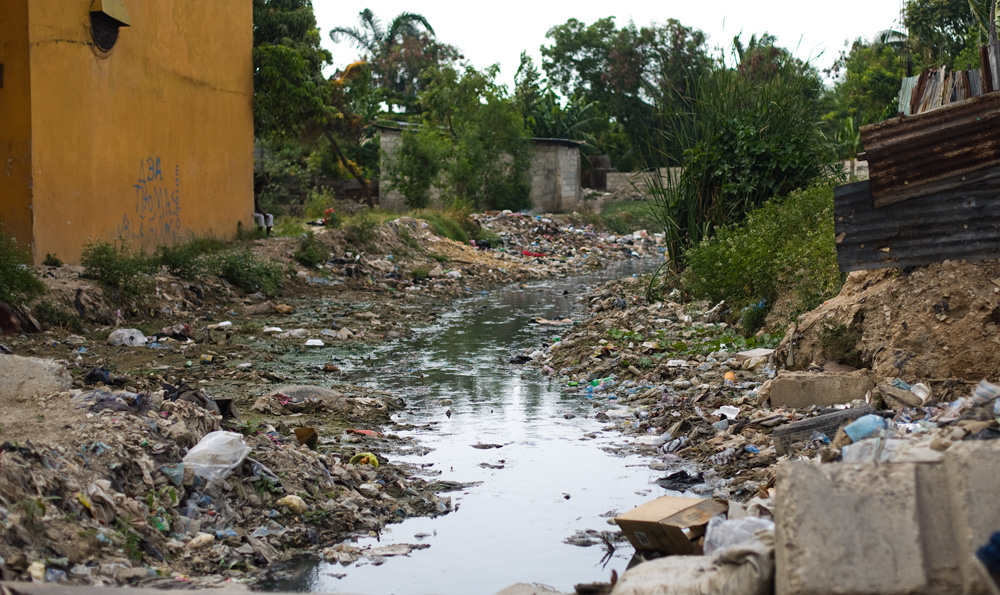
[(472, 144), (51, 260), (118, 267), (744, 134), (360, 231), (189, 259), (246, 271), (787, 244), (311, 251), (18, 281), (57, 316), (317, 202)]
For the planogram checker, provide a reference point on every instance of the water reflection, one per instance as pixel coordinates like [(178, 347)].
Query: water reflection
[(551, 480)]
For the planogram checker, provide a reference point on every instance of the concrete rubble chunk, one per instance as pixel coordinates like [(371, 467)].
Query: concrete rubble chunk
[(846, 529), (746, 355), (972, 471), (909, 527), (898, 398), (25, 377), (798, 390)]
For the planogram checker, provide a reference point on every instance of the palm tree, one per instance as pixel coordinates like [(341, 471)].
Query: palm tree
[(375, 39), (378, 42)]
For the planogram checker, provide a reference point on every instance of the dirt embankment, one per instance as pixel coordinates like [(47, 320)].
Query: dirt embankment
[(934, 323)]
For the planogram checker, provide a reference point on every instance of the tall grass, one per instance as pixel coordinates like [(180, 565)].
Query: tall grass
[(743, 135)]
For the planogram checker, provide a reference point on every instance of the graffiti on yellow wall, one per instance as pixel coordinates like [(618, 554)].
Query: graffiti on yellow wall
[(157, 204)]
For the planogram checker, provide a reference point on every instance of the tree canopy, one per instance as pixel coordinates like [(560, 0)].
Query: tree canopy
[(398, 53), (625, 70), (289, 86)]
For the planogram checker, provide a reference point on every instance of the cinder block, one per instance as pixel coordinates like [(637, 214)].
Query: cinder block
[(847, 529), (972, 471), (801, 389), (942, 561)]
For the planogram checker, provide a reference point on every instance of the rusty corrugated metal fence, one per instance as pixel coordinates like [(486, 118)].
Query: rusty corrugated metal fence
[(955, 224), (934, 151)]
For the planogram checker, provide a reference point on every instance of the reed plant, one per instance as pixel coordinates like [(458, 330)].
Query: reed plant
[(743, 134)]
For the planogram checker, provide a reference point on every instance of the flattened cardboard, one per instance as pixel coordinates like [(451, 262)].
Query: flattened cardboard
[(669, 525)]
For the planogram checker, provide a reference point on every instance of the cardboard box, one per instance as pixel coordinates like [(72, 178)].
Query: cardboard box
[(669, 525)]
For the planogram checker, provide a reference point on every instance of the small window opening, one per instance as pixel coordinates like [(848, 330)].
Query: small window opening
[(104, 30)]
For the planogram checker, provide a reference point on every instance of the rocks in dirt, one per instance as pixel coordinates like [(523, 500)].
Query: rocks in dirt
[(937, 321), (296, 399), (26, 377)]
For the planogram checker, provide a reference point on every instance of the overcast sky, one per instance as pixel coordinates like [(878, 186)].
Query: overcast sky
[(497, 31)]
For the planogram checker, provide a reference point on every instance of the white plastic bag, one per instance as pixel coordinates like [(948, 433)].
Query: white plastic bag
[(126, 336), (723, 533), (216, 455)]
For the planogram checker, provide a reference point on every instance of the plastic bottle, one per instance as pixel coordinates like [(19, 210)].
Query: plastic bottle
[(864, 427)]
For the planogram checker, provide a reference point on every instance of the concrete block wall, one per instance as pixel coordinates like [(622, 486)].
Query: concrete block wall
[(635, 181), (860, 168), (554, 174), (546, 182), (571, 191)]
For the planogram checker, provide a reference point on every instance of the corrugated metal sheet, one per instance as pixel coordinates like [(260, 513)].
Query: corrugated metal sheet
[(956, 224), (936, 87), (989, 66), (919, 155)]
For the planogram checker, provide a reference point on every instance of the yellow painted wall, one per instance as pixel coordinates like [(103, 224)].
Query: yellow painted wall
[(151, 141), (15, 122)]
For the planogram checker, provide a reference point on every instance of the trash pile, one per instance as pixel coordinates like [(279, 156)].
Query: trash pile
[(803, 463), (150, 487)]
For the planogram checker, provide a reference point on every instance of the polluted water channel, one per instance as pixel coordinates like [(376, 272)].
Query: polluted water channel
[(541, 468)]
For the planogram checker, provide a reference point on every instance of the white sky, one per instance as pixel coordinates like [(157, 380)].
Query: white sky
[(497, 31)]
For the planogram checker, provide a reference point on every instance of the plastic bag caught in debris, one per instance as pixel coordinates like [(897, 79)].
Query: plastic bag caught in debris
[(100, 400), (216, 455), (126, 337), (724, 533), (746, 569)]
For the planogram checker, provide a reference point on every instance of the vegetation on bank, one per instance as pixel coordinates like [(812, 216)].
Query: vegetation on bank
[(19, 283), (784, 249)]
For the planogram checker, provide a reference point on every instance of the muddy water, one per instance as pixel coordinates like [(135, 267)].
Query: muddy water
[(554, 474)]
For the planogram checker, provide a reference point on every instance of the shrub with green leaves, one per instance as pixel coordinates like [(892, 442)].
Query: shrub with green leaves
[(18, 281), (317, 202), (787, 244), (360, 231), (188, 259), (472, 144), (251, 274), (311, 251), (117, 266), (57, 316), (744, 134)]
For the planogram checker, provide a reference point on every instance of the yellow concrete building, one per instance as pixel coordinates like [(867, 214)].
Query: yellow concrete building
[(126, 119)]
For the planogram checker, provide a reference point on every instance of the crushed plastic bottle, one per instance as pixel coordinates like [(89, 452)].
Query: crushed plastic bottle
[(865, 426)]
